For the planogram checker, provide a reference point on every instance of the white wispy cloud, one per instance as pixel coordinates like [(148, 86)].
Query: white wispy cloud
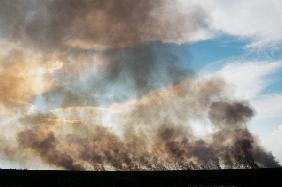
[(258, 20), (268, 106), (249, 78), (273, 141)]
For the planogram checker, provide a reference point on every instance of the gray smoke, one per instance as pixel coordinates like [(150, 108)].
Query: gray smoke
[(97, 24), (153, 133), (94, 85)]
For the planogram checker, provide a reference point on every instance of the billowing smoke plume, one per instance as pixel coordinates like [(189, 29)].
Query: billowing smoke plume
[(94, 85), (98, 24), (152, 133)]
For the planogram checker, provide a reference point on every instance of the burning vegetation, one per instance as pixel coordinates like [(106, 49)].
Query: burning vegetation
[(86, 85)]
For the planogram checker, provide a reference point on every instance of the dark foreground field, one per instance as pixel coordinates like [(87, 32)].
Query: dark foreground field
[(250, 177)]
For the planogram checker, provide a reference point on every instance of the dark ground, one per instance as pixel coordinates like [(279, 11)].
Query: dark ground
[(248, 177)]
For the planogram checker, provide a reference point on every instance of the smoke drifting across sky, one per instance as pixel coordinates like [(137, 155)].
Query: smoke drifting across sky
[(91, 85)]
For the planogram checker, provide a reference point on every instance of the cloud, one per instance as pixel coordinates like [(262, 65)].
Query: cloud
[(258, 20), (267, 106), (273, 142), (249, 78)]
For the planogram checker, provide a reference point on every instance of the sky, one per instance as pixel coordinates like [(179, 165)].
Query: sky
[(140, 85)]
